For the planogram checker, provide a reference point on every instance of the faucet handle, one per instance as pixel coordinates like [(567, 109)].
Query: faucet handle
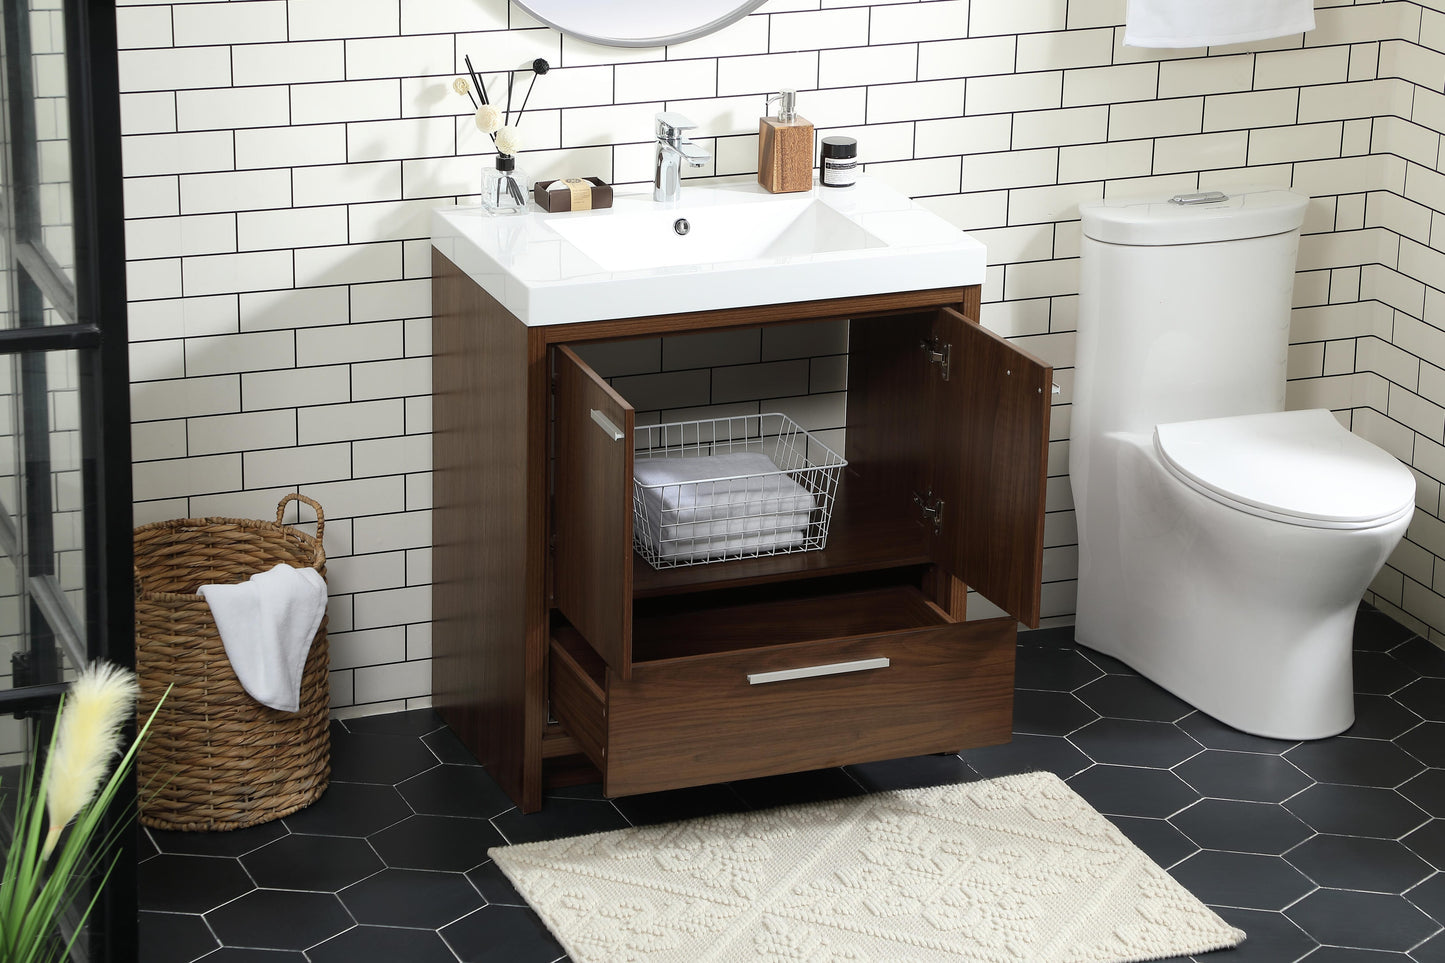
[(671, 124)]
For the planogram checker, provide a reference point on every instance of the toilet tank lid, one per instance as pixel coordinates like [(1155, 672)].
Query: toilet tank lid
[(1196, 218)]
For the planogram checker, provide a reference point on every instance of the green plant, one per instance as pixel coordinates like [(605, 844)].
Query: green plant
[(55, 850)]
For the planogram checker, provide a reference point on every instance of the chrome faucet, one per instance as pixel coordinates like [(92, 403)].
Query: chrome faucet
[(671, 149)]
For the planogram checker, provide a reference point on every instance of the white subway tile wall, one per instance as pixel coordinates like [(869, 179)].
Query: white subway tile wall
[(281, 157)]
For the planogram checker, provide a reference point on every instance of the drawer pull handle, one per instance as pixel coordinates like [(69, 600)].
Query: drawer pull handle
[(606, 424), (810, 671)]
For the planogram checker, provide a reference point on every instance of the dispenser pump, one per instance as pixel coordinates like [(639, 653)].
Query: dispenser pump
[(785, 147), (787, 105)]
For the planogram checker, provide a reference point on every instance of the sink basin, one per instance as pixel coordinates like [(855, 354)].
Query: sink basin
[(727, 243), (709, 235)]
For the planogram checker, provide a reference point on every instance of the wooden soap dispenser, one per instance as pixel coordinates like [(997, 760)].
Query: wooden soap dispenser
[(785, 147)]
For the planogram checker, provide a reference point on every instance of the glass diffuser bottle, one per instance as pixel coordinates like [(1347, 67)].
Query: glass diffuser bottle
[(504, 187)]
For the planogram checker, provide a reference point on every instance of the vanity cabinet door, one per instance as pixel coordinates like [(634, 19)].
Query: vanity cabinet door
[(592, 514), (990, 463)]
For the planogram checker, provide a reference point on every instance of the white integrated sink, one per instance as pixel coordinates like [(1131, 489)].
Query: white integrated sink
[(726, 243)]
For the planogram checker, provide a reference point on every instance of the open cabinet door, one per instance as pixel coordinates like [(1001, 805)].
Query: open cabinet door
[(593, 510), (990, 463)]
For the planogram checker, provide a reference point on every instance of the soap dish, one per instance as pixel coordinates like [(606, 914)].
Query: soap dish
[(573, 194)]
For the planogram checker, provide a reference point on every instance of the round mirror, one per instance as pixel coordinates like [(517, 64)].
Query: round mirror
[(638, 23)]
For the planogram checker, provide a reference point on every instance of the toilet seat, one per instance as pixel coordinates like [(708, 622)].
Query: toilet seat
[(1298, 467)]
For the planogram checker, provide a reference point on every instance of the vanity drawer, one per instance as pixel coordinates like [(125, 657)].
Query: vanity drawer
[(717, 714)]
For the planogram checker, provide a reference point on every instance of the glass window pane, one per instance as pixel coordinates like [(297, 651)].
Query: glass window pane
[(52, 133)]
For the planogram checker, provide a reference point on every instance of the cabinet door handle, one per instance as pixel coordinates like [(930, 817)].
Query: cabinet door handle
[(606, 424), (811, 671)]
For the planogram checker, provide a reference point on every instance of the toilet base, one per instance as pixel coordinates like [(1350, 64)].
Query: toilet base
[(1247, 618)]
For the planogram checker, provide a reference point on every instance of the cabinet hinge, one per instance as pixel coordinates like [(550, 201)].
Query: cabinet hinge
[(938, 352), (931, 507)]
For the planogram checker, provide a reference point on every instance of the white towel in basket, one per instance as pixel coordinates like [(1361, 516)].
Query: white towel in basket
[(267, 624), (718, 545), (749, 505)]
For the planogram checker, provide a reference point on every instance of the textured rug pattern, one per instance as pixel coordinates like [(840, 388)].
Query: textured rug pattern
[(1015, 870)]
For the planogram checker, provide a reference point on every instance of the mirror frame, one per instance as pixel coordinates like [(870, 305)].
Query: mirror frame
[(740, 10)]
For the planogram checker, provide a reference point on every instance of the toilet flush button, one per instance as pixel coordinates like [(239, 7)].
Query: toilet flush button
[(1199, 197)]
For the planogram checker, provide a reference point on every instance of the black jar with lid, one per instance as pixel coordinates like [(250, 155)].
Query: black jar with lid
[(839, 167)]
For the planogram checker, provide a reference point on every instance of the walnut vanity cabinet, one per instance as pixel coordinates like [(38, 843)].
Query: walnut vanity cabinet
[(558, 654)]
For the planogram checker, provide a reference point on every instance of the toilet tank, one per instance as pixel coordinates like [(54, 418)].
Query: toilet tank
[(1184, 307)]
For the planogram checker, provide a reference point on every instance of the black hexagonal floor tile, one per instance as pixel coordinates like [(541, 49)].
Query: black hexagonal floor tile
[(911, 772), (174, 938), (1131, 742), (236, 842), (1378, 673), (411, 722), (411, 897), (1053, 669), (674, 804), (1242, 879), (238, 954), (1049, 713), (1160, 841), (1369, 920), (320, 863), (494, 885), (383, 944), (1429, 896), (1431, 951), (1380, 717), (190, 884), (350, 809), (1375, 631), (443, 843), (1427, 791), (1357, 811), (1126, 791), (1428, 842), (1242, 827), (1133, 697), (1271, 938), (445, 745), (502, 934), (815, 785), (1251, 776), (1355, 762), (1424, 697), (376, 757), (1344, 954), (279, 919), (1028, 753), (1425, 742), (1423, 656), (1358, 862), (1213, 734), (455, 791)]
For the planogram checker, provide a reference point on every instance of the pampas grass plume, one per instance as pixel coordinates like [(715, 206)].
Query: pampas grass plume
[(87, 738)]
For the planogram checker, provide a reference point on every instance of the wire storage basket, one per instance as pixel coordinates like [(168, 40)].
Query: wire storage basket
[(215, 758), (729, 488)]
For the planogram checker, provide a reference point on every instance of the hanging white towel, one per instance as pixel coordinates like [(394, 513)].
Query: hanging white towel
[(1210, 23), (267, 624)]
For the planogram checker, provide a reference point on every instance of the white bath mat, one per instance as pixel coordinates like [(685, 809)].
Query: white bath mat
[(1017, 869)]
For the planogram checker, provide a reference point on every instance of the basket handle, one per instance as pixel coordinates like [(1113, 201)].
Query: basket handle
[(315, 506)]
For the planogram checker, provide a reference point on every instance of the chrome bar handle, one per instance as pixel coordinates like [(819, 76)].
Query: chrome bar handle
[(606, 425), (813, 671)]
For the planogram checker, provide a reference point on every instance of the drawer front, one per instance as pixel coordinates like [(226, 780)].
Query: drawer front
[(688, 722)]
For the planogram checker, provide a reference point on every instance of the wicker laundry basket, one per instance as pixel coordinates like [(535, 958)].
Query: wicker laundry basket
[(216, 758)]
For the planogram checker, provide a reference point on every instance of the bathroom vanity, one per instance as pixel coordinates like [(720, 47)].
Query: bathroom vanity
[(559, 654)]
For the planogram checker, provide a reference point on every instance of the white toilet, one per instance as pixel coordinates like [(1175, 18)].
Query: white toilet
[(1224, 543)]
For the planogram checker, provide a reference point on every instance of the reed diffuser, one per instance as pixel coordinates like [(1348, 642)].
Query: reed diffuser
[(504, 186)]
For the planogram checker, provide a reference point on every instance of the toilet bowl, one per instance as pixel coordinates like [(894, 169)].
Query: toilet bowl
[(1224, 543)]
